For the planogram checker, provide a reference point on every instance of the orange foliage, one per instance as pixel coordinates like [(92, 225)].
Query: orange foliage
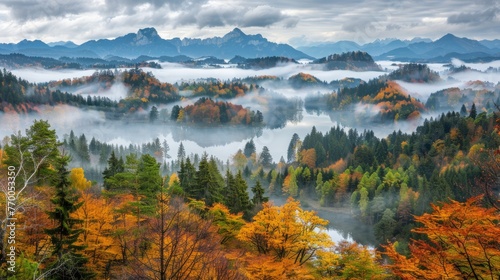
[(339, 166), (463, 243), (308, 157)]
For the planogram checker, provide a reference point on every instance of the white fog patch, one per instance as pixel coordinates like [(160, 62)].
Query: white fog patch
[(116, 92), (366, 111), (457, 62), (172, 73), (393, 65), (467, 76), (483, 66), (39, 75), (422, 91)]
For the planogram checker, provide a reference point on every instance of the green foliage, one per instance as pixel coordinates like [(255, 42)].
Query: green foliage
[(69, 262)]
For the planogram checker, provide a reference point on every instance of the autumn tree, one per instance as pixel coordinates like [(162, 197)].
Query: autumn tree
[(286, 232), (181, 246), (32, 155), (462, 244), (349, 261)]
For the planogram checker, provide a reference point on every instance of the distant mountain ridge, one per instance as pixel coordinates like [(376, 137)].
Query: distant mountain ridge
[(418, 49), (147, 42)]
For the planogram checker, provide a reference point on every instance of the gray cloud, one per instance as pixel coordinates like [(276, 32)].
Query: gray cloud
[(261, 16), (474, 18), (393, 26), (24, 10), (231, 15), (319, 20), (359, 26)]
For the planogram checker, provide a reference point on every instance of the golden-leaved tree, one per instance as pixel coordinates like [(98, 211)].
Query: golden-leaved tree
[(463, 243), (283, 239)]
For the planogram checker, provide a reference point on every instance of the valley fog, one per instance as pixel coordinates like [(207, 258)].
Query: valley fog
[(225, 142)]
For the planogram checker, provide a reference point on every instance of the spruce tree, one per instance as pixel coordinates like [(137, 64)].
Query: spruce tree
[(115, 166), (208, 187), (265, 157), (181, 153), (463, 110), (473, 111), (249, 148), (258, 194), (69, 262), (187, 178)]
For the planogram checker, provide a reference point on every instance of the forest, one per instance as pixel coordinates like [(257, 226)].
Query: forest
[(85, 208), (201, 217)]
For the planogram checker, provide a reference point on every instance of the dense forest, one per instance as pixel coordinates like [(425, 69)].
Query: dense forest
[(205, 212), (87, 209)]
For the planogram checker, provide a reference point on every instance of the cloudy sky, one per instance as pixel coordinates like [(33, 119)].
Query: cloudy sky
[(296, 22)]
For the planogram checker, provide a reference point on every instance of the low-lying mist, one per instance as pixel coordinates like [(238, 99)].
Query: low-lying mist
[(223, 142)]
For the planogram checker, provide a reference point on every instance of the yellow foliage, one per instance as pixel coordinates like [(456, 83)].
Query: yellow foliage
[(78, 180), (286, 232), (173, 178)]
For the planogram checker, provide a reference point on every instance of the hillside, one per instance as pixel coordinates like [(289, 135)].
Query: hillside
[(356, 61)]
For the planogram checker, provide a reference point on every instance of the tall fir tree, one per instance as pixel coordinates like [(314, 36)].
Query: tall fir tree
[(265, 157), (473, 111), (258, 194), (115, 166), (69, 262), (249, 148), (207, 182)]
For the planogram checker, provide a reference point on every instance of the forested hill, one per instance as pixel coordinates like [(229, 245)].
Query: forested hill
[(357, 61), (141, 88)]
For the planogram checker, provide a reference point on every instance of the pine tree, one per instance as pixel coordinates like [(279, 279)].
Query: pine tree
[(463, 110), (208, 187), (115, 166), (83, 150), (181, 153), (473, 111), (249, 148), (292, 148), (187, 178), (265, 157), (69, 262), (153, 114), (258, 194), (148, 174)]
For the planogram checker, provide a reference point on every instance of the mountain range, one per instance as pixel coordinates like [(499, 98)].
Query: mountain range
[(419, 49), (147, 42)]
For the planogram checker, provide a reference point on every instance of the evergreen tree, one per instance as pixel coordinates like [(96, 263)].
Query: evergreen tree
[(83, 150), (69, 262), (258, 194), (473, 111), (153, 114), (463, 110), (115, 166), (249, 148), (292, 148), (148, 174), (181, 153), (187, 178), (265, 157), (208, 187), (166, 149)]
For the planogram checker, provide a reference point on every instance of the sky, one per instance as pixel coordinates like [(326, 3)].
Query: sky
[(298, 23)]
